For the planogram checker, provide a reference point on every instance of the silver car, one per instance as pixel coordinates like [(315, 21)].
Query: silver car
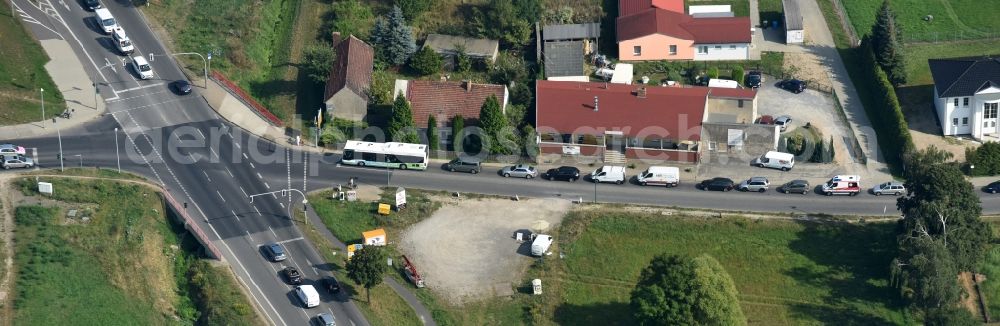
[(758, 184), (18, 161), (11, 149), (889, 188), (520, 171), (783, 122)]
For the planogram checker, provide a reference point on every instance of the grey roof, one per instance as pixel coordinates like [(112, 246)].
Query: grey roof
[(564, 58), (793, 17), (474, 47), (964, 76), (758, 138), (571, 31)]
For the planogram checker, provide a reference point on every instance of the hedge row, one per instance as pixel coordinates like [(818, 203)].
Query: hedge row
[(885, 112)]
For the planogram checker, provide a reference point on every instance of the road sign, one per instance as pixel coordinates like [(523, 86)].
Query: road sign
[(400, 198)]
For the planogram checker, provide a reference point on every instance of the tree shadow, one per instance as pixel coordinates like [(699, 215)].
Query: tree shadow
[(608, 313), (852, 264), (272, 88), (917, 103)]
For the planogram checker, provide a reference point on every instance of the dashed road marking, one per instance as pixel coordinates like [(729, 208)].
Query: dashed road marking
[(220, 196)]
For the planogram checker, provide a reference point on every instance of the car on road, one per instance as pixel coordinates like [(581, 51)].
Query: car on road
[(992, 187), (17, 161), (308, 295), (758, 184), (275, 252), (795, 186), (609, 174), (894, 188), (182, 87), (783, 122), (792, 85), (754, 79), (292, 275), (142, 67), (717, 184), (568, 173), (464, 164), (324, 319), (11, 149), (330, 284), (92, 4), (520, 171)]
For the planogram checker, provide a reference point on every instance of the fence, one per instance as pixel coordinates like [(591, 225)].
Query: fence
[(190, 225), (845, 22), (854, 145), (261, 111)]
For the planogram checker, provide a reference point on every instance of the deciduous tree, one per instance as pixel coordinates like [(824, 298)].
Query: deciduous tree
[(317, 59), (676, 290), (366, 268)]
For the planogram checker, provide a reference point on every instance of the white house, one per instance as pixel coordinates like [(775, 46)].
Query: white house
[(967, 95)]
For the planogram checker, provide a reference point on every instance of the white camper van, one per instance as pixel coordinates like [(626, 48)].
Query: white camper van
[(609, 173), (308, 295), (104, 18), (142, 67), (723, 83), (541, 244), (122, 42), (775, 160), (660, 176)]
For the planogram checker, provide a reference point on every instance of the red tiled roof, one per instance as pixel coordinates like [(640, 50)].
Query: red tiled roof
[(701, 30), (569, 106), (445, 99), (352, 68), (628, 7)]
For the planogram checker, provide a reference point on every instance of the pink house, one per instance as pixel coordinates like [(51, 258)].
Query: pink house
[(660, 30)]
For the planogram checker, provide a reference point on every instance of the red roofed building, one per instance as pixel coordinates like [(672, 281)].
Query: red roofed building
[(346, 95), (657, 33), (616, 121), (446, 99)]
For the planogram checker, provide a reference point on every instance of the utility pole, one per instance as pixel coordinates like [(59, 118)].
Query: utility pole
[(117, 155), (41, 93), (59, 133), (95, 96)]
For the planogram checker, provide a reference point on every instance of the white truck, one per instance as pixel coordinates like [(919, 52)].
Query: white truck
[(122, 42), (775, 160), (843, 185), (105, 20), (660, 176), (609, 173), (308, 295), (541, 244)]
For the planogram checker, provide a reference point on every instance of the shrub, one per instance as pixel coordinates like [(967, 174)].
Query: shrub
[(713, 73), (985, 160), (738, 74), (426, 62)]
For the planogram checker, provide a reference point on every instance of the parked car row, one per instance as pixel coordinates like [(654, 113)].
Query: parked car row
[(13, 156)]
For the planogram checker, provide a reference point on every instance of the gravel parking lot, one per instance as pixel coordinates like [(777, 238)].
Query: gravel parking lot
[(467, 251)]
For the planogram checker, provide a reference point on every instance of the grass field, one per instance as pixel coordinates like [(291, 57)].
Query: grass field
[(22, 74), (991, 268), (786, 272), (953, 19), (128, 265), (917, 54), (741, 8)]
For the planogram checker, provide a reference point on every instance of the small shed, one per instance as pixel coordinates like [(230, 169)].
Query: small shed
[(374, 237), (476, 48), (794, 30)]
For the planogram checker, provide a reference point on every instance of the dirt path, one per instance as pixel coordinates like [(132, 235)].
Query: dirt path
[(7, 236), (971, 302)]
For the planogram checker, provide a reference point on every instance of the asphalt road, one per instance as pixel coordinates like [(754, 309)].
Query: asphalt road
[(149, 117)]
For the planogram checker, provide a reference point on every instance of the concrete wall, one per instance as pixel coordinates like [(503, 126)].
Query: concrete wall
[(347, 105), (655, 47), (728, 51)]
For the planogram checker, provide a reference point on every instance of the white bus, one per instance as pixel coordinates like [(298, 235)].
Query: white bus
[(393, 155)]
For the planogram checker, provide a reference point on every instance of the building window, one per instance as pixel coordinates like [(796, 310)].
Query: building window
[(954, 121), (673, 49), (703, 49), (739, 103), (711, 146), (990, 110), (965, 101), (965, 121), (718, 47), (732, 47), (637, 50), (956, 102)]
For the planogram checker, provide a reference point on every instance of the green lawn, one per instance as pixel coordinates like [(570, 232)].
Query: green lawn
[(917, 54), (128, 265), (953, 19), (786, 272), (991, 268), (22, 74), (770, 10), (741, 8)]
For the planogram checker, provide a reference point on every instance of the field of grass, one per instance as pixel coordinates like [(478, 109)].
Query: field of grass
[(129, 264), (770, 10), (741, 8), (991, 268), (786, 272), (917, 54), (22, 74), (953, 19)]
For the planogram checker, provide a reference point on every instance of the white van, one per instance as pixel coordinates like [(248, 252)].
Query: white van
[(775, 160), (846, 177), (104, 18), (661, 176), (308, 295), (541, 244), (723, 83), (142, 67), (609, 173), (122, 42)]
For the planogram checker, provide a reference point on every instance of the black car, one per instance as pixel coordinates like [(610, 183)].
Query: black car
[(717, 184), (796, 186), (330, 284), (993, 187), (293, 275), (793, 85), (567, 173), (754, 79), (182, 87), (92, 4)]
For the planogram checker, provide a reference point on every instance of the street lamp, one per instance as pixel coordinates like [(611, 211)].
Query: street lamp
[(59, 133), (41, 94), (118, 156), (202, 60)]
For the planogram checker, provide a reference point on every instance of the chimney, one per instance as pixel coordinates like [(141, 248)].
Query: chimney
[(335, 38), (595, 104), (467, 84), (641, 92)]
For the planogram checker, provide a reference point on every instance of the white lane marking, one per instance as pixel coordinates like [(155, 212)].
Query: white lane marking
[(99, 72), (213, 151), (245, 271), (138, 87), (201, 133), (206, 176), (249, 237), (230, 172), (290, 240), (220, 196), (245, 156), (282, 205), (237, 216), (251, 165), (237, 145), (313, 266), (34, 157), (269, 187), (272, 232), (133, 97), (258, 176), (244, 192), (258, 211)]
